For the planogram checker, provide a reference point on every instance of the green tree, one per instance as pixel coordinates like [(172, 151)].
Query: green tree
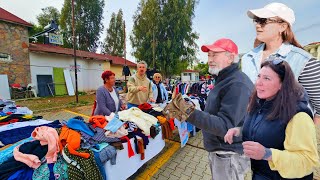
[(48, 14), (203, 68), (166, 27), (145, 30), (114, 41), (34, 30), (88, 23)]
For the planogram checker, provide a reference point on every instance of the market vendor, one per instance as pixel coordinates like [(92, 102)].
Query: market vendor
[(139, 87), (107, 96)]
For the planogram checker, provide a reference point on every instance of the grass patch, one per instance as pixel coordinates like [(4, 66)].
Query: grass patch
[(49, 103)]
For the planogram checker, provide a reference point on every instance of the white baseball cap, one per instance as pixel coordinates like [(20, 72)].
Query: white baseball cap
[(273, 10)]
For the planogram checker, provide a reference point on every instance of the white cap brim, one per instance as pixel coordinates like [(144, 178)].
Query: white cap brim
[(261, 13)]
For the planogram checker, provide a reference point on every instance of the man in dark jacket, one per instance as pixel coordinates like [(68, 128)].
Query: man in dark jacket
[(225, 108)]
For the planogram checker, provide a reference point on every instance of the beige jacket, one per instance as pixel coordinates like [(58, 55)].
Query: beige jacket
[(134, 96)]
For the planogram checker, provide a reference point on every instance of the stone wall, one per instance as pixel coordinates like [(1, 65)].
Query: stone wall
[(14, 42)]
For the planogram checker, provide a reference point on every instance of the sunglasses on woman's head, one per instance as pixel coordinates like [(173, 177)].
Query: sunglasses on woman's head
[(275, 60), (264, 21)]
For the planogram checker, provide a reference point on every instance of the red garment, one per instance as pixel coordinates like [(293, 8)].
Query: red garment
[(130, 150), (145, 106), (171, 123), (141, 148), (9, 122)]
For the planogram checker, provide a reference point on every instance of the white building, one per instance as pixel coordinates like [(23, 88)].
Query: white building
[(47, 63), (190, 75)]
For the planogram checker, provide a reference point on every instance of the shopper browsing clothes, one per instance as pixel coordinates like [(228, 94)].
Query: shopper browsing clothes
[(139, 87), (107, 96), (160, 94), (273, 25), (278, 132), (225, 108)]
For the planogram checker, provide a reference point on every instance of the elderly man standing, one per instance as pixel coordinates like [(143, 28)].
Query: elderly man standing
[(225, 108), (139, 87)]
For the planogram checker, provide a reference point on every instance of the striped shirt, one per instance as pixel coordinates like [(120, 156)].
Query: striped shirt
[(310, 80)]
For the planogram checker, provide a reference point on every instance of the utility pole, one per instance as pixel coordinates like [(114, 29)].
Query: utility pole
[(153, 48), (124, 45), (74, 53)]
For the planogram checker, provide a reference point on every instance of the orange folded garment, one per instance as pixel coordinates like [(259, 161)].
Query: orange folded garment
[(98, 121), (73, 139)]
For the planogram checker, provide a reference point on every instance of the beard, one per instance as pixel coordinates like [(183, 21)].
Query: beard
[(214, 71)]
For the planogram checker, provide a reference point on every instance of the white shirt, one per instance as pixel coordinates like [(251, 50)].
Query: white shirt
[(115, 98)]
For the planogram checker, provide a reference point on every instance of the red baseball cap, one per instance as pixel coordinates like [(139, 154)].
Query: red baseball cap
[(220, 46)]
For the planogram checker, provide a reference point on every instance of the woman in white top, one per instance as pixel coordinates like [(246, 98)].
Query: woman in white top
[(107, 96)]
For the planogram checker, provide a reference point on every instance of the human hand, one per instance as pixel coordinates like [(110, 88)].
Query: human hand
[(231, 132), (253, 150), (143, 88), (152, 100), (316, 119), (123, 107)]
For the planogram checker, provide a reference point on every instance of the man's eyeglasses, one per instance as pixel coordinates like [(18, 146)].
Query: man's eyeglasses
[(264, 21), (157, 77)]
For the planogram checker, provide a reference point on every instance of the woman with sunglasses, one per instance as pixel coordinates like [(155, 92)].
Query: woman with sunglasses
[(274, 37), (278, 133), (160, 93)]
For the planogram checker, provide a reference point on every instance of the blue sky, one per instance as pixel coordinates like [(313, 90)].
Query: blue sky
[(213, 19)]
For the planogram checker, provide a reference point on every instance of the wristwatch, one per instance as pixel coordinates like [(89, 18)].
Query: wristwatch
[(267, 153)]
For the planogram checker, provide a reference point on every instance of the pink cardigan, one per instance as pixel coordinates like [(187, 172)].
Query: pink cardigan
[(48, 136)]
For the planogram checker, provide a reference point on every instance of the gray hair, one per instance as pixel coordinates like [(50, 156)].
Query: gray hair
[(236, 58), (142, 62)]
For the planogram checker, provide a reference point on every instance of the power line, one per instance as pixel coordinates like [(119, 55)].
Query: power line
[(49, 66)]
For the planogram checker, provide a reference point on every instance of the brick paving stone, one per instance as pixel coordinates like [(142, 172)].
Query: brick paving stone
[(193, 149), (187, 159), (178, 159), (196, 159), (158, 173), (173, 177), (199, 171), (195, 177), (188, 172), (173, 165), (167, 172), (184, 177), (206, 177), (161, 177), (182, 165), (205, 159), (178, 172), (192, 165), (207, 170), (152, 178), (202, 165)]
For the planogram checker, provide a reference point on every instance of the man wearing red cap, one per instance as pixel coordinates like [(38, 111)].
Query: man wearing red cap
[(225, 108)]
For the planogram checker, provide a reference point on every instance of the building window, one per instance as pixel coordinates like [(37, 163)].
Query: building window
[(5, 57)]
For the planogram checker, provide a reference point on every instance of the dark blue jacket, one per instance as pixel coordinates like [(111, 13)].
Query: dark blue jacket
[(225, 108), (270, 134)]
